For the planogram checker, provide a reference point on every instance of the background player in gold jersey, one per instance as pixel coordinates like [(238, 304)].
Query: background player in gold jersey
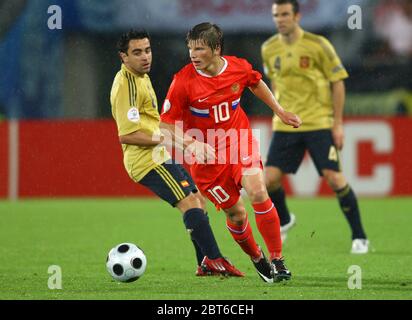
[(307, 77), (135, 110)]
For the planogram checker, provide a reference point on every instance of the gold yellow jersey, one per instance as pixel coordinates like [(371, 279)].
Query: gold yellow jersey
[(134, 108), (301, 74)]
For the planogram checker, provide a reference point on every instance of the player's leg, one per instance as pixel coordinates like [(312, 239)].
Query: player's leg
[(327, 162), (213, 263), (249, 174), (208, 265), (239, 227), (285, 155), (199, 254), (266, 215), (273, 180), (198, 226), (224, 193), (172, 184), (237, 222), (267, 220), (349, 206)]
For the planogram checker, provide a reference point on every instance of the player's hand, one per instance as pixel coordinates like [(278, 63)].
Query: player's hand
[(338, 135), (290, 119), (203, 152)]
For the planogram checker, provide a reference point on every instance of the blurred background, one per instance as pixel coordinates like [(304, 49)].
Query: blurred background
[(67, 73), (63, 75)]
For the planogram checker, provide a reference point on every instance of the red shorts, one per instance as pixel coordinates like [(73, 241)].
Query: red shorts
[(221, 183)]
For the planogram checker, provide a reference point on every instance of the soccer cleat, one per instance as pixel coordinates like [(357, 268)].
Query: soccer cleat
[(285, 228), (279, 270), (360, 246), (221, 266), (264, 269), (204, 271)]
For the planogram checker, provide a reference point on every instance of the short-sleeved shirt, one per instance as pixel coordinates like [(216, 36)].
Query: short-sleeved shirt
[(205, 102), (134, 108), (212, 104), (302, 73)]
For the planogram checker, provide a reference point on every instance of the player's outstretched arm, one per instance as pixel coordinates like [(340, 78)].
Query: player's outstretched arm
[(174, 136), (262, 91)]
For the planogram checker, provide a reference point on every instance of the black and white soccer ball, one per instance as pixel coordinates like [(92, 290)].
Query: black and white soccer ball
[(126, 262)]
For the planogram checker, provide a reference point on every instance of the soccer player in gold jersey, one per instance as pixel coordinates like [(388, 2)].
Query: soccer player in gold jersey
[(307, 77), (135, 110)]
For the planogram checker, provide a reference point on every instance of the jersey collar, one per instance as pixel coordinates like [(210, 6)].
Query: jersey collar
[(301, 33), (124, 68), (221, 71)]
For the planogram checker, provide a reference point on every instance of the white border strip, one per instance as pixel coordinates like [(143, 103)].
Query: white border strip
[(13, 160)]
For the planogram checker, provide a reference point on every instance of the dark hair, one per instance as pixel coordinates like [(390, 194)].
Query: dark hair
[(294, 3), (210, 33), (123, 43)]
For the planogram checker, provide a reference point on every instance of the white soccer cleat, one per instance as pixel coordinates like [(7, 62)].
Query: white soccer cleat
[(360, 246), (284, 229)]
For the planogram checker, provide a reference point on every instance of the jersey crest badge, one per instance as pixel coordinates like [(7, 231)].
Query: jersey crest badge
[(236, 88), (185, 184), (304, 62)]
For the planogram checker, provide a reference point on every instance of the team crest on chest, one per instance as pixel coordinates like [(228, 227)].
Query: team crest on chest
[(304, 62), (236, 88)]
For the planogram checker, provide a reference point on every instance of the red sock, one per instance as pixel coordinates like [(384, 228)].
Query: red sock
[(244, 237), (267, 221)]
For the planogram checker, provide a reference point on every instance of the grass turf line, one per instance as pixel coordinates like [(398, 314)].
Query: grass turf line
[(77, 235)]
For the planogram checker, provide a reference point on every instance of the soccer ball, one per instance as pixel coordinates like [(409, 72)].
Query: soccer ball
[(126, 262)]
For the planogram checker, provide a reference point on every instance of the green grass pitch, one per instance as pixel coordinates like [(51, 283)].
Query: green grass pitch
[(77, 235)]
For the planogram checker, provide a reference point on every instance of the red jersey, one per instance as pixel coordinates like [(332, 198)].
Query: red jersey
[(205, 102), (209, 103)]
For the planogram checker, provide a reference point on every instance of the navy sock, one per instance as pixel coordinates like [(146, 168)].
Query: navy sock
[(199, 253), (198, 223), (278, 197), (349, 205)]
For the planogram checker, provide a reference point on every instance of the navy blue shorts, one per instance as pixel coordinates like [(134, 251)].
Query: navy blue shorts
[(287, 150), (170, 181)]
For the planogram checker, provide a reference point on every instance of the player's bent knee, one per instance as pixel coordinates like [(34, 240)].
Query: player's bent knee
[(190, 202), (201, 199), (237, 218), (335, 179), (258, 195), (237, 214)]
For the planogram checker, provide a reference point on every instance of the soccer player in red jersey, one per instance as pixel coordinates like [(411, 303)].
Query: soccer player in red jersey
[(205, 98)]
